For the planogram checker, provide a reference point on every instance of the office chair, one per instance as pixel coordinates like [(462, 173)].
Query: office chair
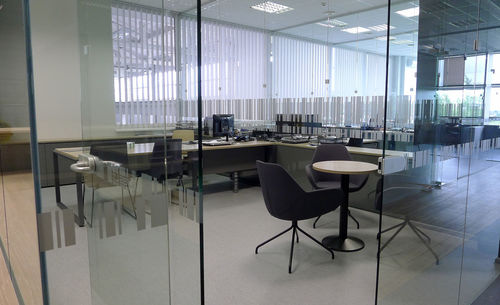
[(286, 200), (407, 222), (173, 155), (116, 152), (355, 142), (319, 180)]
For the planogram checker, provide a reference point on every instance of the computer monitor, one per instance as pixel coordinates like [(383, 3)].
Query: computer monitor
[(223, 125)]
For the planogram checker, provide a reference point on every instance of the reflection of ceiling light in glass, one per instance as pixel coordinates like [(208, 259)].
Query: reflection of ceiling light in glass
[(403, 41), (332, 23), (271, 7), (209, 5), (380, 27), (410, 12), (356, 30), (384, 38)]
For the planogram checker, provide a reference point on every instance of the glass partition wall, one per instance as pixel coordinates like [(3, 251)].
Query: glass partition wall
[(289, 71), (121, 214), (20, 276), (134, 211), (481, 233), (439, 226)]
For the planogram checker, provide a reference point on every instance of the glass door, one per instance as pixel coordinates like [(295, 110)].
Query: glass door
[(121, 211)]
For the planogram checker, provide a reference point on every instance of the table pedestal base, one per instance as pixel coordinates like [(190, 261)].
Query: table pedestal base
[(349, 244)]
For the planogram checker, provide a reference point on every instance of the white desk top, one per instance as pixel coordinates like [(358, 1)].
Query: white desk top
[(74, 152), (345, 167), (147, 148)]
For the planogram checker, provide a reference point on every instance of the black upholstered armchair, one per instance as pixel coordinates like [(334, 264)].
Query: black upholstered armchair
[(286, 200)]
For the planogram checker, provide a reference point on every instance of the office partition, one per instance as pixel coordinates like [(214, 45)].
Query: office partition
[(20, 261), (119, 223), (288, 66), (441, 248), (130, 213)]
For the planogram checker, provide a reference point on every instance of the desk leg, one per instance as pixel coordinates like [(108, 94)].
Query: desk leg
[(79, 195), (194, 176), (235, 182), (57, 183), (343, 242)]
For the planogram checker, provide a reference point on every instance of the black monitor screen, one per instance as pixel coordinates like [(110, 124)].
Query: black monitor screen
[(223, 125)]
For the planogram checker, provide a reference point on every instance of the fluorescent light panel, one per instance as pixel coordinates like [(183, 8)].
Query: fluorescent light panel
[(409, 12), (380, 27), (271, 7), (403, 41), (332, 23), (356, 30), (384, 38)]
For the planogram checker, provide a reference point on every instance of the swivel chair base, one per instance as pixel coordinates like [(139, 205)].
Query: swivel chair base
[(295, 236), (420, 234)]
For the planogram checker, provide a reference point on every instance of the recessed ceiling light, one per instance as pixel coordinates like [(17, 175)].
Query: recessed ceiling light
[(381, 27), (384, 38), (332, 23), (403, 41), (356, 30), (409, 12), (271, 7)]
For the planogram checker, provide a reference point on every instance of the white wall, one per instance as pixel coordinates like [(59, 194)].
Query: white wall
[(56, 60), (74, 93), (96, 62)]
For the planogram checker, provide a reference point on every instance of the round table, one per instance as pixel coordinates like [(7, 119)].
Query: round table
[(343, 242)]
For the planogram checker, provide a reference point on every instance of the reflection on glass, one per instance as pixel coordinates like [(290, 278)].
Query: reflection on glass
[(437, 218), (466, 103), (18, 222)]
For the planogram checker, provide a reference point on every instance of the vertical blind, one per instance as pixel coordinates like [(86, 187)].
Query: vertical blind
[(234, 69), (358, 73), (248, 72), (299, 68), (144, 66)]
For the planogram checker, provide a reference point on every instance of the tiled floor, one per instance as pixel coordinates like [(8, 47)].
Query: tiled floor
[(234, 225), (137, 267)]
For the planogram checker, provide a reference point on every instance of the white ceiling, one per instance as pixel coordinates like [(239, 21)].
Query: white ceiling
[(404, 29), (304, 11), (301, 21)]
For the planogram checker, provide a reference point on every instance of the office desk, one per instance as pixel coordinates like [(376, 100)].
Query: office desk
[(72, 154), (235, 158)]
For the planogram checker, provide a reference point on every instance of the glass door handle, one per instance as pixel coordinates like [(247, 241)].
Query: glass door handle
[(86, 164), (81, 167)]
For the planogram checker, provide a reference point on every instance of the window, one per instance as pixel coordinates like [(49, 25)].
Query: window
[(252, 73), (462, 97)]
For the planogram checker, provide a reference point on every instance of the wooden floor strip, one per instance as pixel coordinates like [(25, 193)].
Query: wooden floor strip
[(7, 293)]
